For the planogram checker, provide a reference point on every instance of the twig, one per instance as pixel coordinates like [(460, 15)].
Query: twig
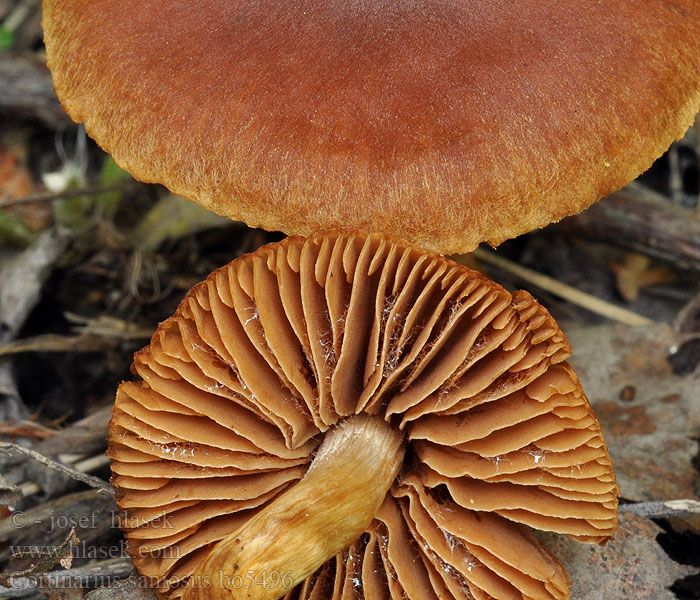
[(587, 301), (76, 472), (84, 466), (47, 560), (663, 508), (675, 179), (26, 429), (18, 15), (688, 316), (641, 220), (54, 343), (26, 90), (94, 335), (81, 577), (52, 196)]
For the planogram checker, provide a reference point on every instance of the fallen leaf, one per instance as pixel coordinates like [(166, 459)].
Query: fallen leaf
[(111, 174), (174, 217), (13, 231), (16, 182), (635, 273)]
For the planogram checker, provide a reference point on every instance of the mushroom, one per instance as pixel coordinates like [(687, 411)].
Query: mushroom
[(452, 122), (349, 416)]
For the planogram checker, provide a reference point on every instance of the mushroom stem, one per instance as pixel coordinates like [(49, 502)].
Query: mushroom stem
[(322, 514)]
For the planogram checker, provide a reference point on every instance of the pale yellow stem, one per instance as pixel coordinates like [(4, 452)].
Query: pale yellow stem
[(322, 514)]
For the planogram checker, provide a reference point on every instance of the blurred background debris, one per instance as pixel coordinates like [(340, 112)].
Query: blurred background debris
[(91, 261)]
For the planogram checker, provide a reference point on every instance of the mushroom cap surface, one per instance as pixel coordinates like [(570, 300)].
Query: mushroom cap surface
[(453, 123), (238, 388)]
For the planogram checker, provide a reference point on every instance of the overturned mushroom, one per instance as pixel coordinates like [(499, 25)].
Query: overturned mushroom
[(349, 416), (454, 122)]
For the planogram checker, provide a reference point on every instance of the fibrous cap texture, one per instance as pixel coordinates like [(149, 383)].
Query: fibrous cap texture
[(453, 122), (238, 389)]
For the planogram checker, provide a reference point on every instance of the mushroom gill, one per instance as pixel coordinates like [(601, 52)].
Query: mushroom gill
[(487, 431)]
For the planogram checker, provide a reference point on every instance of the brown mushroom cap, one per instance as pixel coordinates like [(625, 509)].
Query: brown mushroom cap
[(450, 122), (260, 361)]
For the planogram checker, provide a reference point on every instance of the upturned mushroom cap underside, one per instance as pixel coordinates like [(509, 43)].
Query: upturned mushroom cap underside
[(238, 388), (452, 122)]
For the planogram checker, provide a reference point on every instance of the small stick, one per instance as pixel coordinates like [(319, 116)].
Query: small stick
[(77, 472), (643, 221), (26, 91), (587, 301), (47, 560), (91, 575), (663, 508), (52, 196), (18, 15)]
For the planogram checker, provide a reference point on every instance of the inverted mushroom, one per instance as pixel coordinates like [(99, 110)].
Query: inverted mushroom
[(453, 122), (350, 413)]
